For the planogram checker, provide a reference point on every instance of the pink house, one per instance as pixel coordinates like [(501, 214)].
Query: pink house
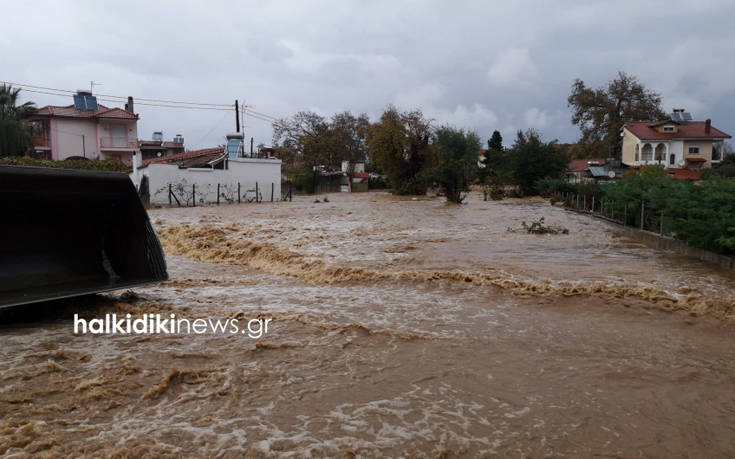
[(86, 129)]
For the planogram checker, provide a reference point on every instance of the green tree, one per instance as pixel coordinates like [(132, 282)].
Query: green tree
[(306, 136), (725, 169), (15, 138), (600, 113), (457, 161), (492, 159), (531, 160), (653, 170), (400, 144), (495, 143)]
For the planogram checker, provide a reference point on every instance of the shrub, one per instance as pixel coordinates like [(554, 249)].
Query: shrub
[(94, 165)]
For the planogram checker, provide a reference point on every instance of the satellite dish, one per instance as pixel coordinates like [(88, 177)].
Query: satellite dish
[(611, 174)]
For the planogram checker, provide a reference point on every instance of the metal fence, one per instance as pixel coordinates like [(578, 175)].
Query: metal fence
[(635, 214), (190, 196)]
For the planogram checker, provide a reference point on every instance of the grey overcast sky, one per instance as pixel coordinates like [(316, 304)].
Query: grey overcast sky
[(479, 65)]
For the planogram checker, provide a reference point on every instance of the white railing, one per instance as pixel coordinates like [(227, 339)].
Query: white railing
[(117, 142)]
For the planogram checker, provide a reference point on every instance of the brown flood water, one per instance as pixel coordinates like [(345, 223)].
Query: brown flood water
[(401, 327)]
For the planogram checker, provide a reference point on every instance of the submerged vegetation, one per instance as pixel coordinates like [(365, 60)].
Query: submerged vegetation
[(539, 227)]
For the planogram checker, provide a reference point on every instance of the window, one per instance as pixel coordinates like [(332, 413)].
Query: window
[(716, 152), (637, 156), (233, 147), (672, 159), (693, 150), (668, 128)]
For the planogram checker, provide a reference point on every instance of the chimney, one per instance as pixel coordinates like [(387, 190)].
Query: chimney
[(129, 106), (707, 126)]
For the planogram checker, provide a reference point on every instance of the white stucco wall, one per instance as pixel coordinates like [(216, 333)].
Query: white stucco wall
[(245, 171), (69, 138), (677, 148)]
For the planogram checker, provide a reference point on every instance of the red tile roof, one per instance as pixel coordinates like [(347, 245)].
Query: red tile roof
[(695, 160), (189, 158), (71, 112), (581, 165), (361, 175), (684, 174), (645, 130)]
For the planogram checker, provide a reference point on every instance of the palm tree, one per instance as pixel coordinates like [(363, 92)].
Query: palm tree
[(15, 138)]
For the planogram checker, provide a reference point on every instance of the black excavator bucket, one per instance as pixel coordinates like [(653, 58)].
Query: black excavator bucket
[(66, 233)]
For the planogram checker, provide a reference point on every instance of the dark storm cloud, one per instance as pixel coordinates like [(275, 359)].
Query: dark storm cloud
[(477, 65)]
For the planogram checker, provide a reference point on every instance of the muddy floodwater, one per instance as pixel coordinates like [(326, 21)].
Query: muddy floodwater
[(400, 327)]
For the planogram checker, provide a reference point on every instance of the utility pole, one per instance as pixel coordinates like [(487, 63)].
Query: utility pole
[(84, 149), (237, 116)]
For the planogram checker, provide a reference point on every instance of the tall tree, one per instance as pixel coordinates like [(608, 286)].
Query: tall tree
[(457, 161), (400, 144), (600, 113), (532, 159), (349, 132), (306, 135), (495, 142), (492, 159), (15, 138)]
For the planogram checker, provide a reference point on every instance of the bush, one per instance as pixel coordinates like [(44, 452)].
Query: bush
[(550, 186), (94, 165), (701, 214), (302, 178), (378, 183)]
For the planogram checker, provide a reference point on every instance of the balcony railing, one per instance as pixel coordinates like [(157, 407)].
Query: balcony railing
[(118, 142)]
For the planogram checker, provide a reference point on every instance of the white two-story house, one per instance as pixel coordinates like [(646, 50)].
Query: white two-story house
[(676, 143), (85, 129)]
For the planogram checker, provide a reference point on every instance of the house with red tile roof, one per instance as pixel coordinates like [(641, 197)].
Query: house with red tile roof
[(85, 129), (678, 142)]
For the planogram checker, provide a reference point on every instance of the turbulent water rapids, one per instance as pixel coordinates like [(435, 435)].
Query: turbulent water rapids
[(400, 327)]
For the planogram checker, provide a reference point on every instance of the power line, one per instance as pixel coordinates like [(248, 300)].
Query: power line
[(165, 103), (117, 99)]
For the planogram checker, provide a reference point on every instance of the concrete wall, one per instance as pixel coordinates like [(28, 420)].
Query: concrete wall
[(246, 171), (68, 138), (667, 243), (629, 141)]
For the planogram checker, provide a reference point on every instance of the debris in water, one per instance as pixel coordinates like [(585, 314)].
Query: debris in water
[(539, 227)]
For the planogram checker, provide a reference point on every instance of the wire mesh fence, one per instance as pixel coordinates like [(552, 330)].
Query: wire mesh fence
[(636, 214)]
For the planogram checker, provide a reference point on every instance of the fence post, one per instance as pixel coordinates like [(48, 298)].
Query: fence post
[(273, 187), (661, 229), (256, 192), (194, 194), (593, 204), (218, 194), (576, 206), (584, 202), (238, 192), (643, 214), (625, 214), (170, 203)]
